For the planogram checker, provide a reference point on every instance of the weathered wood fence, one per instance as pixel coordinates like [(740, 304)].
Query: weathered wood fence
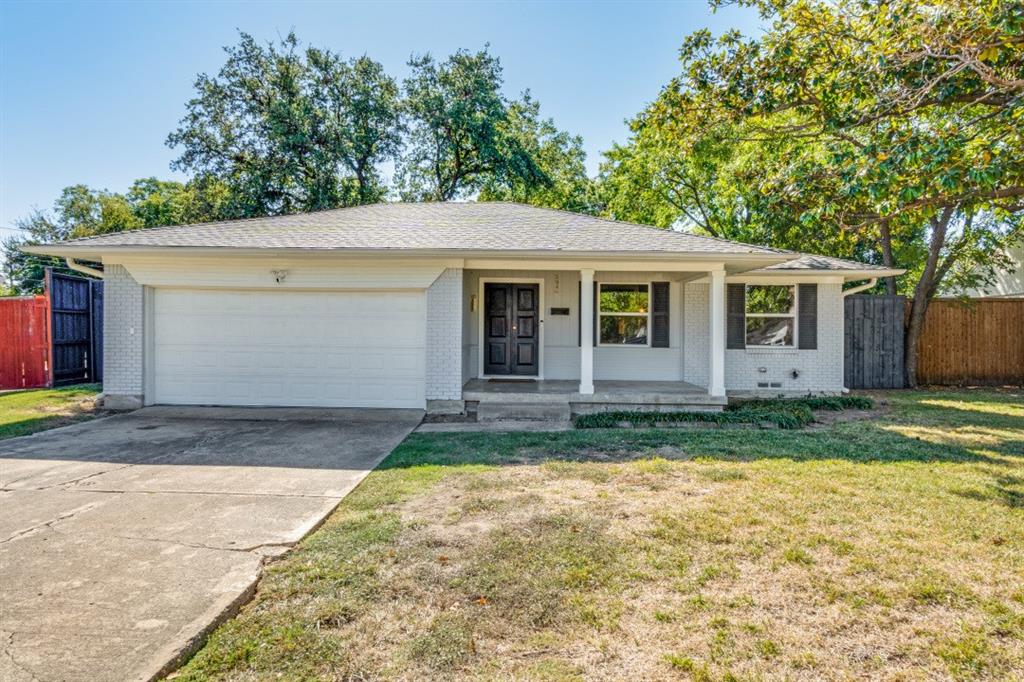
[(873, 352), (973, 342), (76, 305)]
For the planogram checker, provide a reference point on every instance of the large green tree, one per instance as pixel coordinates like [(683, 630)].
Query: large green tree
[(83, 212), (559, 156), (460, 134), (896, 127), (288, 131)]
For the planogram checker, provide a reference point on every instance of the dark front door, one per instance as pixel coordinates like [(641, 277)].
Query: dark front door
[(511, 329)]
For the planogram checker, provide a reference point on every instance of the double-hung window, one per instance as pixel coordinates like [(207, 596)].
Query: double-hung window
[(623, 314), (771, 316)]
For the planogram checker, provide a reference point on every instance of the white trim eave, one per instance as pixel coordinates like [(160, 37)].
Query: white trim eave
[(748, 264), (791, 278), (104, 253)]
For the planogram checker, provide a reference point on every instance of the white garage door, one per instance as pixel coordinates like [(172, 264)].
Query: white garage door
[(330, 349)]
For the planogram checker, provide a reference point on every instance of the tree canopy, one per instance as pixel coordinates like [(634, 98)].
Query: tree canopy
[(281, 129), (287, 130), (888, 131), (558, 155), (82, 212), (460, 135)]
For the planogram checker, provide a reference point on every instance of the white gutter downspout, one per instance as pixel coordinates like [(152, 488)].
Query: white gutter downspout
[(78, 267), (863, 287), (856, 290)]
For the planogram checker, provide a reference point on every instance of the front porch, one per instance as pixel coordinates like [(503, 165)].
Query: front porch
[(608, 395)]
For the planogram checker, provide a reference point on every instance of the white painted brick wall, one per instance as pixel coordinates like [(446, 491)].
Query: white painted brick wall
[(821, 370), (444, 337), (696, 335), (122, 334)]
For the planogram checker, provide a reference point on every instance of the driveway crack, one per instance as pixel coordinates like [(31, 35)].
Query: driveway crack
[(75, 481), (49, 524), (14, 661)]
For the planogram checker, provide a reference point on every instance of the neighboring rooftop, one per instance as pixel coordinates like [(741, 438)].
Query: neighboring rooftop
[(809, 262)]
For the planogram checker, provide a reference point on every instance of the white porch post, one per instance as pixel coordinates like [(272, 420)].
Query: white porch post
[(587, 332), (716, 383)]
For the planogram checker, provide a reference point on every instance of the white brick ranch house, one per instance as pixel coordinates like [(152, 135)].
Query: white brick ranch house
[(436, 306)]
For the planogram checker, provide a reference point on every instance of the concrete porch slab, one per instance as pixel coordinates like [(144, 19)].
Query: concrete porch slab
[(677, 393)]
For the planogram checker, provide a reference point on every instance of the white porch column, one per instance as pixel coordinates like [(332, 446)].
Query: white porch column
[(716, 349), (587, 332)]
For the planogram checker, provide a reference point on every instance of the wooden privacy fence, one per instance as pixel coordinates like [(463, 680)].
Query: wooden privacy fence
[(76, 323), (873, 349), (24, 342), (974, 342), (54, 339), (980, 341)]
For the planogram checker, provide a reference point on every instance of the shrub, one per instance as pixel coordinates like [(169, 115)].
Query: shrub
[(833, 403), (784, 413), (784, 419)]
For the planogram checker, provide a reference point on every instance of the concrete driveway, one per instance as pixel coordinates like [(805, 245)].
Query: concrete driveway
[(122, 541)]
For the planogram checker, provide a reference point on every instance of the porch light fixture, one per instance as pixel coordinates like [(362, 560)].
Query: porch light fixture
[(279, 275), (472, 303)]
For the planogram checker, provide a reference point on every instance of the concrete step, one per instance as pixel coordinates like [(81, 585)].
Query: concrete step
[(499, 411)]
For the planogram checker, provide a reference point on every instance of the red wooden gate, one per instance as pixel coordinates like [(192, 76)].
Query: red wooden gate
[(24, 342)]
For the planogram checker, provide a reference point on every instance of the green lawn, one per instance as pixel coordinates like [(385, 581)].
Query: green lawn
[(25, 412), (884, 549)]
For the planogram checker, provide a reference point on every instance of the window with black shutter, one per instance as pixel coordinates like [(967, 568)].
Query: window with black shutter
[(736, 306), (659, 315), (807, 314)]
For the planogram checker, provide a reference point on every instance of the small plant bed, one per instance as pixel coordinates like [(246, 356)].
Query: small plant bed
[(780, 413), (831, 403)]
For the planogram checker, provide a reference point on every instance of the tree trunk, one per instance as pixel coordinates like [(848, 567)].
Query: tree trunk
[(911, 337), (885, 235), (361, 181), (923, 291)]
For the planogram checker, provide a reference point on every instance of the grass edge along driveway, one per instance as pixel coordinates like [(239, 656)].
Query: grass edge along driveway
[(889, 548), (29, 411)]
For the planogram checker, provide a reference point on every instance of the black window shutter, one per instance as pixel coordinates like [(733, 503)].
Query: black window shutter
[(736, 309), (659, 315), (807, 316), (597, 317)]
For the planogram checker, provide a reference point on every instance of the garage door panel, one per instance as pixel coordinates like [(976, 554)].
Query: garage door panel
[(337, 349)]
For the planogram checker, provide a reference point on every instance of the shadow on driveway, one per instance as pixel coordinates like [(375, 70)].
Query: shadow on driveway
[(123, 540)]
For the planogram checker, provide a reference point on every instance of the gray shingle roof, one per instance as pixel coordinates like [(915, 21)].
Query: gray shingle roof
[(490, 226)]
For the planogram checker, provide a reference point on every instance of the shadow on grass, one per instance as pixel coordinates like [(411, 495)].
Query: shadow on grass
[(1006, 490), (870, 441)]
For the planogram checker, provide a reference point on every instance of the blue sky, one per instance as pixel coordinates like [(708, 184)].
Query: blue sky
[(89, 91)]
